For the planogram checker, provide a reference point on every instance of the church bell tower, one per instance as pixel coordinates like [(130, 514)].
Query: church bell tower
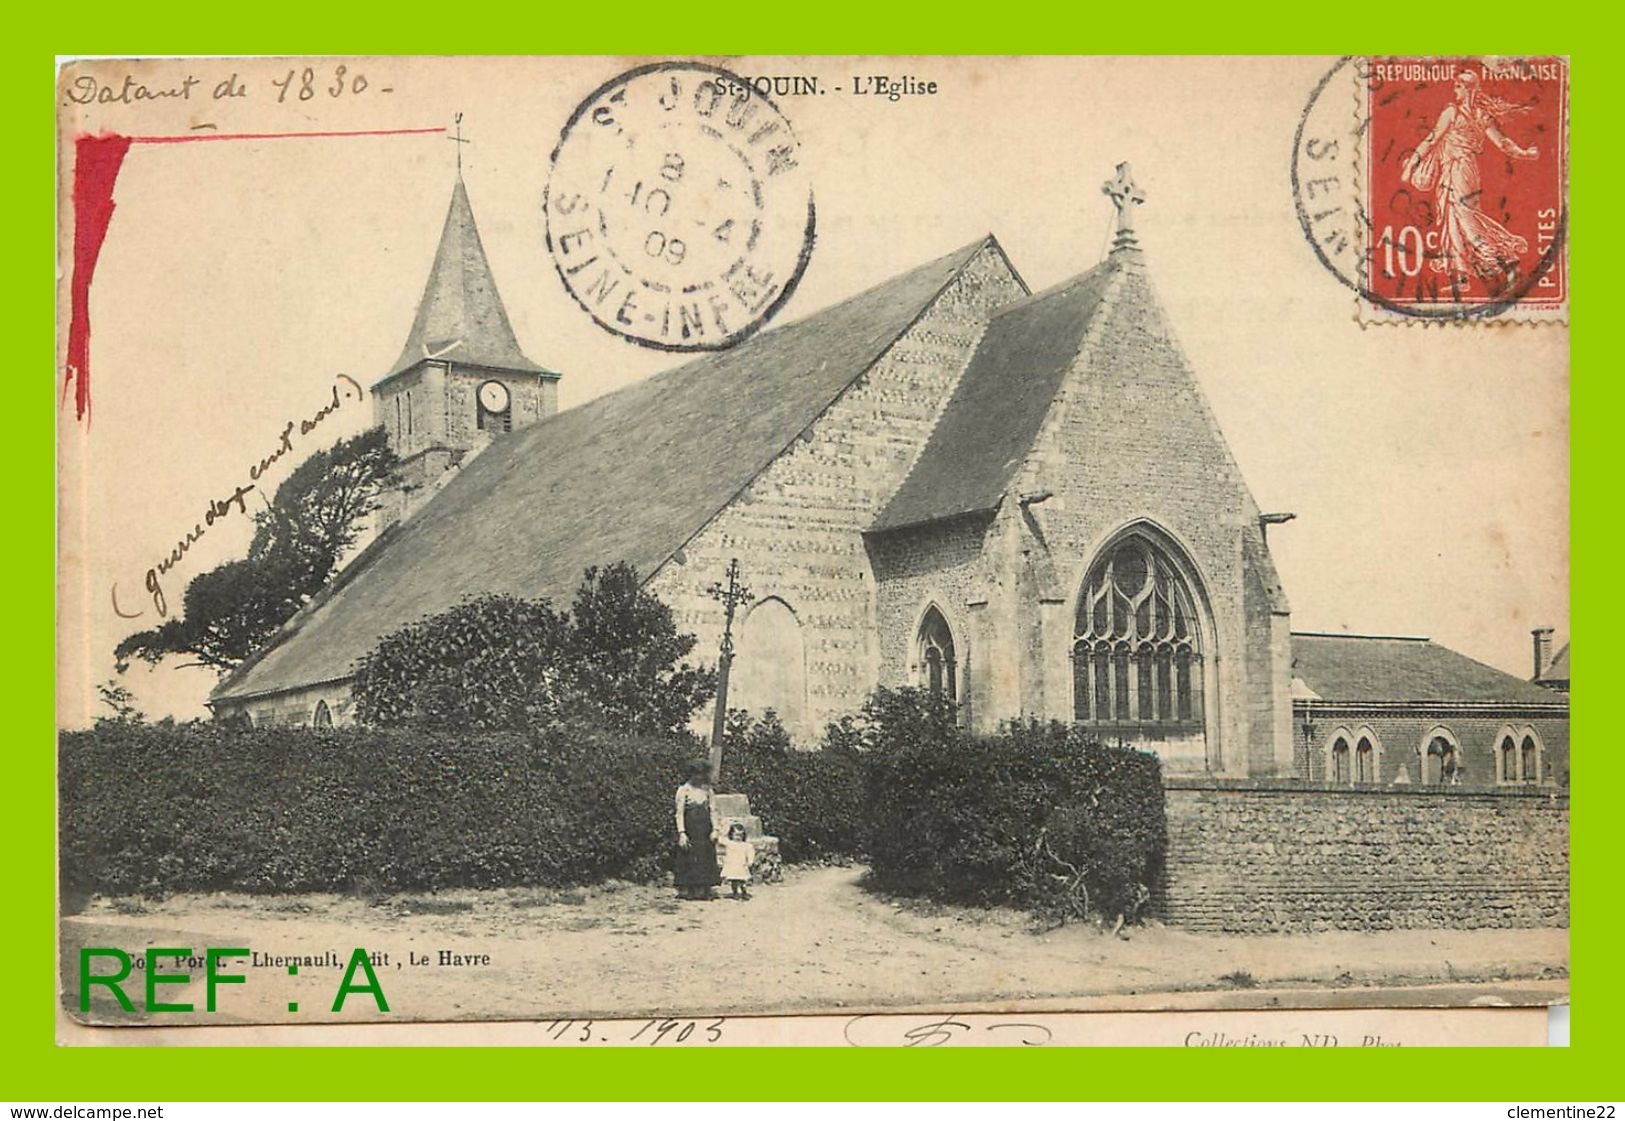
[(461, 380)]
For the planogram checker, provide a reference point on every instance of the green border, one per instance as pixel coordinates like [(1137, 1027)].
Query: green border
[(38, 1070)]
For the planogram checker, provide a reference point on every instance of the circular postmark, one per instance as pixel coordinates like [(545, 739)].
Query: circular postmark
[(1436, 189), (678, 212)]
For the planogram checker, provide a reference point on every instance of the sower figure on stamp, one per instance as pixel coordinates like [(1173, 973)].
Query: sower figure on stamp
[(696, 858), (1471, 243)]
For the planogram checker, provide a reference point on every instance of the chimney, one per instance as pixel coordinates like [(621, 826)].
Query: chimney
[(1543, 649)]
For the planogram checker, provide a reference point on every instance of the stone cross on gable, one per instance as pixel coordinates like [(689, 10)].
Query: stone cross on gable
[(1125, 195)]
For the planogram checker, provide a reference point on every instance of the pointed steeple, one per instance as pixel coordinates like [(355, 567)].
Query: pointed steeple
[(461, 318)]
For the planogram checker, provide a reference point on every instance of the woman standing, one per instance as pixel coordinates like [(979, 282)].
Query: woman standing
[(696, 860)]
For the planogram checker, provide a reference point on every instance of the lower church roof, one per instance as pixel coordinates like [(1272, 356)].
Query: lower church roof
[(1350, 668)]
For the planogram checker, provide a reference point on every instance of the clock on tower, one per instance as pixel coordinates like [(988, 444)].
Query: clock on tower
[(495, 407)]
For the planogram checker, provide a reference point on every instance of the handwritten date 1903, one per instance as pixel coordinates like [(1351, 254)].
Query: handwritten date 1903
[(878, 1030), (651, 1033)]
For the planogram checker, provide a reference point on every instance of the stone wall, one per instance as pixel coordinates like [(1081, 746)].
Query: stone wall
[(1259, 856), (797, 529), (443, 406), (940, 564), (411, 408), (443, 430)]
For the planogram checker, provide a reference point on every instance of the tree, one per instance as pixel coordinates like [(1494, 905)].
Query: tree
[(318, 511), (121, 702), (488, 663), (315, 517), (626, 655), (498, 662)]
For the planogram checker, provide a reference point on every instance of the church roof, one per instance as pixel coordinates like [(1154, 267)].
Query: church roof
[(996, 410), (461, 317), (629, 476), (1359, 668)]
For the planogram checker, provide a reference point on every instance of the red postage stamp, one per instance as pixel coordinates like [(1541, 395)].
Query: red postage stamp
[(1466, 188)]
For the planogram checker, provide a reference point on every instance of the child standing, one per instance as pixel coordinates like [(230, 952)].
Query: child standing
[(737, 856)]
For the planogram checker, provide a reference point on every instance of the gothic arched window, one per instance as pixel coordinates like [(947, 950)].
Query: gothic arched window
[(938, 668), (1529, 757), (323, 717), (1137, 645), (1365, 760), (1506, 758), (1339, 769)]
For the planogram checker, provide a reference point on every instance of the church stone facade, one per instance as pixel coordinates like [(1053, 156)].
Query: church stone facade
[(1120, 576)]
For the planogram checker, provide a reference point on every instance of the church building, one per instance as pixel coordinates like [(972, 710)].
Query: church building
[(1019, 500)]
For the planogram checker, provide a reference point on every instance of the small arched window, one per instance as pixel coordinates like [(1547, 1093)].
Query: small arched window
[(1365, 760), (938, 664), (1339, 770), (1529, 758), (323, 717), (1506, 758), (1441, 759)]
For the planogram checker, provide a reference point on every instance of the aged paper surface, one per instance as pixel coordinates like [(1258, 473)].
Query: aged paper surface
[(1128, 313), (1377, 1027)]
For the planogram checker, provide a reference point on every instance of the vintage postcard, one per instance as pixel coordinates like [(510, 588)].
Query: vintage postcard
[(644, 548)]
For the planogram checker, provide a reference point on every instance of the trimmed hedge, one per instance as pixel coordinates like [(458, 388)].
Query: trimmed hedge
[(811, 800), (156, 809), (1040, 816)]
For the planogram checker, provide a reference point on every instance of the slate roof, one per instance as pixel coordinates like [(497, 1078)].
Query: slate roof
[(993, 418), (461, 317), (1355, 668), (629, 476)]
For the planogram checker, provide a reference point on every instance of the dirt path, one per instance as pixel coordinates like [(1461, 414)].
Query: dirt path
[(818, 941)]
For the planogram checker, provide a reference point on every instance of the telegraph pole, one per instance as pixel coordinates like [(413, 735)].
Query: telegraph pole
[(732, 595)]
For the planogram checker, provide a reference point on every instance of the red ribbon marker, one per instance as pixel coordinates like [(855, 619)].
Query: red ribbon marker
[(96, 163)]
